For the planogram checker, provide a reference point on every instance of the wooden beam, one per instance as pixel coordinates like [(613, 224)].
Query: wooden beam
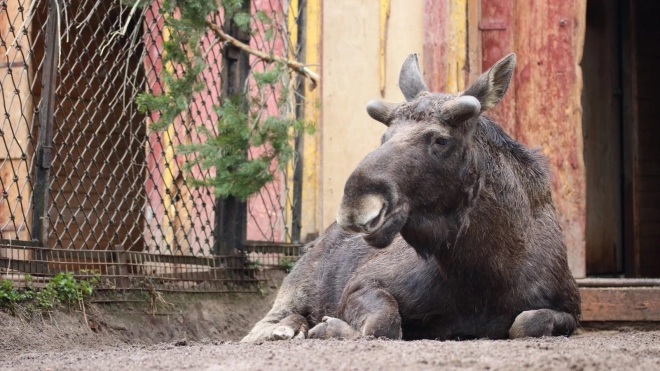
[(311, 192), (384, 22), (620, 304), (456, 46), (474, 39), (434, 56), (23, 266), (618, 282), (629, 140)]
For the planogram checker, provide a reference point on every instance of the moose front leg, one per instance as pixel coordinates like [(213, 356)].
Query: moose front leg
[(542, 322), (293, 326), (365, 312)]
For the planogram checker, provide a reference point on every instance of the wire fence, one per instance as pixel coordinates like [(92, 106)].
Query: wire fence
[(87, 186)]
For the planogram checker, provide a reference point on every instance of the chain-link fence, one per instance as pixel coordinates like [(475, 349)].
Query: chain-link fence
[(86, 185)]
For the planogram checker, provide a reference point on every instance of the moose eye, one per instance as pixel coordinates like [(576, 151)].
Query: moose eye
[(442, 141)]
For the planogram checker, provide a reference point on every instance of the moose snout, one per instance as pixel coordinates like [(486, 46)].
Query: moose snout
[(363, 215)]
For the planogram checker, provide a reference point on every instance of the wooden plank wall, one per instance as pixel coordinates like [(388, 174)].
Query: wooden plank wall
[(542, 107), (16, 122), (620, 304), (96, 174)]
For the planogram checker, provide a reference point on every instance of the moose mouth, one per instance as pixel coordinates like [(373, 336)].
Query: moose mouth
[(383, 236)]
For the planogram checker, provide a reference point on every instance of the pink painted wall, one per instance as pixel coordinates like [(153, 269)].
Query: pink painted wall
[(192, 218)]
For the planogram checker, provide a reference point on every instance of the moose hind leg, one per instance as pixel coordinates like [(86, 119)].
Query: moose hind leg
[(542, 322), (368, 312), (333, 328)]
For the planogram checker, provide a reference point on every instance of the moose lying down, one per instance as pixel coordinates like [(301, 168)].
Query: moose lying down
[(446, 231)]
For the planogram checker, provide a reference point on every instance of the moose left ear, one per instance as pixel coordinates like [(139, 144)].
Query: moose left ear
[(490, 87), (411, 82)]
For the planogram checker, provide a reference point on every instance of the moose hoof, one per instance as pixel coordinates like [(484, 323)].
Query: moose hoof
[(333, 328), (532, 323), (283, 333)]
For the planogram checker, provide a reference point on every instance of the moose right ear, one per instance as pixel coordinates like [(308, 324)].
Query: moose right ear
[(490, 87), (381, 110)]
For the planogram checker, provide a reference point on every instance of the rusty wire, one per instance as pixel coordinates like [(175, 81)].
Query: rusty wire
[(113, 182)]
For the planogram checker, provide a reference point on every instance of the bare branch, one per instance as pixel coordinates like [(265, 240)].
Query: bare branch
[(292, 64)]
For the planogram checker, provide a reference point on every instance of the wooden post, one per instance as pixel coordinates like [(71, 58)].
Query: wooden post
[(296, 207), (474, 40), (445, 63), (630, 141), (46, 121), (311, 197), (230, 212), (120, 268)]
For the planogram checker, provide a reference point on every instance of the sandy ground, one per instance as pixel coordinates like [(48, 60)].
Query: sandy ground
[(200, 332), (632, 350)]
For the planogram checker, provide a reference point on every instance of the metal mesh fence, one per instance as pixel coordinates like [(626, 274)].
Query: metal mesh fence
[(83, 175), (121, 269)]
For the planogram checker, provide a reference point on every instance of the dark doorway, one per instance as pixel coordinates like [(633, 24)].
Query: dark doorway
[(621, 127), (601, 128), (641, 37)]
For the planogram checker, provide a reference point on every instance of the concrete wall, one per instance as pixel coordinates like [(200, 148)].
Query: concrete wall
[(351, 32)]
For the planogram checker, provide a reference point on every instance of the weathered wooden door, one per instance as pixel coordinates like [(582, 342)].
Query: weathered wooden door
[(621, 115), (542, 106)]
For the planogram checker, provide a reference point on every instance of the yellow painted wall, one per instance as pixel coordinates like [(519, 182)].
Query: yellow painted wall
[(311, 193), (351, 76)]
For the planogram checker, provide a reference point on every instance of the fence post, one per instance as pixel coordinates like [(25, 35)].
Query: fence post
[(230, 212), (120, 268), (296, 206), (44, 152)]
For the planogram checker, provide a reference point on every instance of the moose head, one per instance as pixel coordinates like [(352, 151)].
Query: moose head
[(426, 174)]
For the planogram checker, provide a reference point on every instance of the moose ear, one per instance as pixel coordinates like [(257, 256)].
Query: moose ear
[(490, 87), (381, 110), (411, 82)]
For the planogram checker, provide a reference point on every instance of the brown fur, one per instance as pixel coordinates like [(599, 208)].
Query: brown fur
[(459, 237)]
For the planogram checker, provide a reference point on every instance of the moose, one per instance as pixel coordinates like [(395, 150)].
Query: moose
[(446, 231)]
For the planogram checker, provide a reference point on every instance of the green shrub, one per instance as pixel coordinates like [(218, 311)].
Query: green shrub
[(63, 289), (288, 264)]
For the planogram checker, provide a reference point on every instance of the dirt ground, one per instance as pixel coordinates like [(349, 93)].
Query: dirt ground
[(593, 351), (201, 332)]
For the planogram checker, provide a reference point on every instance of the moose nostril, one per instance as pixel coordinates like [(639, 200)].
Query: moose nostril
[(354, 228), (364, 218), (375, 222), (368, 222)]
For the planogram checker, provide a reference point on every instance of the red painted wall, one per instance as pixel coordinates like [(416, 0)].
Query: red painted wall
[(194, 221), (542, 107)]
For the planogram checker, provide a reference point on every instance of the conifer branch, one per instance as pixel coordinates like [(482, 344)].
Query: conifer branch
[(292, 64)]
